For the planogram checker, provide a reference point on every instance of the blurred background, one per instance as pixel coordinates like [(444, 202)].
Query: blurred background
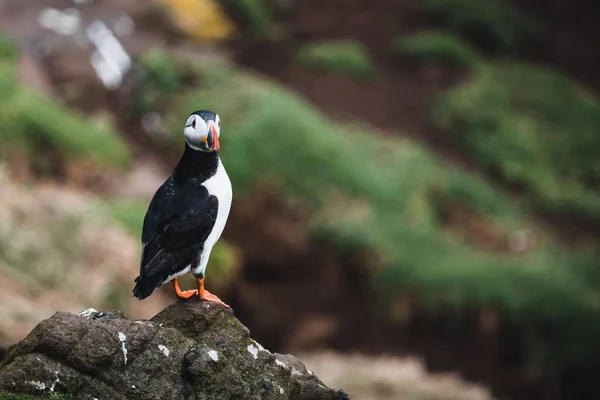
[(416, 183)]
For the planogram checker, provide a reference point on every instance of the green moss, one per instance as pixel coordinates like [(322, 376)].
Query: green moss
[(436, 46), (339, 57), (534, 127), (492, 23), (40, 127)]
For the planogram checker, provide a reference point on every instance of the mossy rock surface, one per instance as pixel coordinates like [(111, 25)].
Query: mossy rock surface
[(190, 350)]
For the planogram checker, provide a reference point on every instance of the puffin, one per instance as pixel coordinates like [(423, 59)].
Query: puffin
[(187, 214)]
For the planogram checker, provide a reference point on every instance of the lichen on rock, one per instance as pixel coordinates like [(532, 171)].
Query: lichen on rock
[(190, 350)]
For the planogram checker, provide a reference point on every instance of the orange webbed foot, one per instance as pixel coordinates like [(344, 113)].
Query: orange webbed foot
[(185, 294), (208, 296)]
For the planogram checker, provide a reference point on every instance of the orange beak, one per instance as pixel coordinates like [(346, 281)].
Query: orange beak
[(215, 137)]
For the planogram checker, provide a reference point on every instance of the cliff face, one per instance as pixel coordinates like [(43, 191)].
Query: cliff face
[(190, 350)]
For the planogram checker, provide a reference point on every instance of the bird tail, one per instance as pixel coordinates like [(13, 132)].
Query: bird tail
[(145, 286), (158, 270)]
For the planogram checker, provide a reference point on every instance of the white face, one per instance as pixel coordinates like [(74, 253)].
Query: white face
[(202, 135)]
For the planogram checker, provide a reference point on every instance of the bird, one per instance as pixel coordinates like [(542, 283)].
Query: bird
[(187, 214)]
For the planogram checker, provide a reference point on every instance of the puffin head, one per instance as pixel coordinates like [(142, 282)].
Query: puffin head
[(202, 130)]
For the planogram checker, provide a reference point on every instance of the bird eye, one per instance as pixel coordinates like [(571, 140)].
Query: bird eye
[(194, 123)]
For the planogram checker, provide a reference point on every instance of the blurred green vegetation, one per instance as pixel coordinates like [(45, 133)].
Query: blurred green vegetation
[(495, 24), (8, 50), (41, 128), (50, 259), (256, 13), (117, 295), (436, 46), (159, 77), (532, 126), (338, 57), (129, 212), (390, 196)]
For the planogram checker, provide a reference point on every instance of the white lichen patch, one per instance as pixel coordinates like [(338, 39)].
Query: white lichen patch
[(260, 347), (55, 382), (133, 386), (37, 384), (122, 339), (213, 355), (280, 364), (252, 349), (164, 350), (281, 391), (88, 312)]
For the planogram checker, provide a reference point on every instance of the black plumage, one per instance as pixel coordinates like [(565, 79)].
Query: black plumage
[(180, 217)]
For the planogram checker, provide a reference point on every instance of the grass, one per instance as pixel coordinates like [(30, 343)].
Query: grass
[(338, 57), (532, 126), (436, 46), (388, 195), (41, 128), (495, 24)]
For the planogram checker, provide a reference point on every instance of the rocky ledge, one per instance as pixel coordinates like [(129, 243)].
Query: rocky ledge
[(190, 350)]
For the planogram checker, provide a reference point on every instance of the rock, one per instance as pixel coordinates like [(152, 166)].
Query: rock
[(190, 350)]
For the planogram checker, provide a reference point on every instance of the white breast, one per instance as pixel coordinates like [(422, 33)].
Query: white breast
[(218, 185)]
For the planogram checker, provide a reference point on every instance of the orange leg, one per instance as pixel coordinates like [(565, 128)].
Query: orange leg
[(208, 296), (186, 294)]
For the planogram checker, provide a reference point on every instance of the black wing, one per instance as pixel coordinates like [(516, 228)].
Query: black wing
[(175, 228)]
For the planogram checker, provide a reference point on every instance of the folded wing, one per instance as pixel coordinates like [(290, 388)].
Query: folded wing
[(173, 234)]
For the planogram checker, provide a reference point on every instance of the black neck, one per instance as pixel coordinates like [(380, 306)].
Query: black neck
[(196, 164)]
